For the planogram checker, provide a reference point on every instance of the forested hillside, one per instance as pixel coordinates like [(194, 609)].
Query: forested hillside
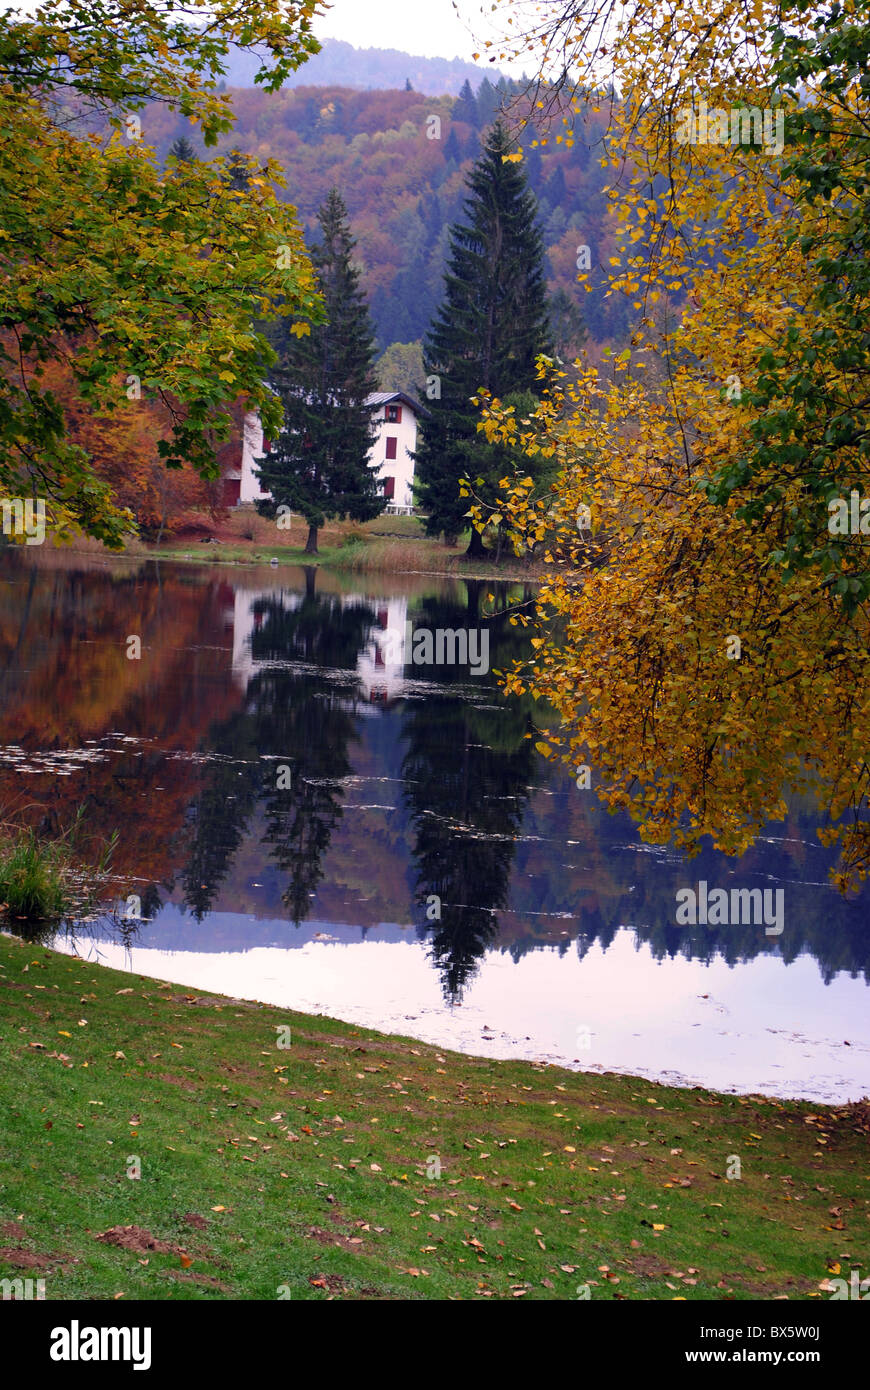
[(403, 187)]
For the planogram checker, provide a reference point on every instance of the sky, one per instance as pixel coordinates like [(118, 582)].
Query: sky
[(433, 28)]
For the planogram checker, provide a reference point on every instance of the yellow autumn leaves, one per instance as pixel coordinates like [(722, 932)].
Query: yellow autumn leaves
[(701, 685)]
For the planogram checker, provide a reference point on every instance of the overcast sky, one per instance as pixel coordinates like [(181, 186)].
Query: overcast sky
[(434, 28)]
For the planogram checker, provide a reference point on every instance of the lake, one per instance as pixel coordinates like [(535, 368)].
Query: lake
[(309, 817)]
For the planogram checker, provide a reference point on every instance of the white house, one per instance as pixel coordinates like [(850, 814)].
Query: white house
[(252, 452), (395, 414)]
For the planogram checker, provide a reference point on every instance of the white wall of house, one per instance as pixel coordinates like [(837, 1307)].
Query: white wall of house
[(396, 437), (403, 434), (252, 452)]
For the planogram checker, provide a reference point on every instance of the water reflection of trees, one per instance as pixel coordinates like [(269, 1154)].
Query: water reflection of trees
[(467, 771), (299, 715), (817, 920), (637, 890), (200, 749)]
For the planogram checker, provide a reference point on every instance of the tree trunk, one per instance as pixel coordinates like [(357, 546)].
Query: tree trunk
[(311, 543), (163, 510), (473, 591), (476, 549)]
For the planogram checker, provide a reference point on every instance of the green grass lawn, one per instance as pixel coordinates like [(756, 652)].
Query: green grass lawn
[(387, 545), (314, 1168)]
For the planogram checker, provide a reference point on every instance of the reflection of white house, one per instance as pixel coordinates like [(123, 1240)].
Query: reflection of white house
[(246, 621), (395, 416), (379, 668)]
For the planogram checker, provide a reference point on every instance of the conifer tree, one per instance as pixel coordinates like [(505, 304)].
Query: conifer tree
[(488, 102), (490, 327), (465, 106), (182, 150), (319, 465), (452, 148)]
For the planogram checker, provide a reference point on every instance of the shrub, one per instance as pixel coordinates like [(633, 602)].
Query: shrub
[(42, 879), (31, 878), (353, 536)]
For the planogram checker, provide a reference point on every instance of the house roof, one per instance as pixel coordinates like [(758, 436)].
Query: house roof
[(379, 398)]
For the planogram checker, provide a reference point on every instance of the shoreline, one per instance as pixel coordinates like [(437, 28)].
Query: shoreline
[(354, 1164)]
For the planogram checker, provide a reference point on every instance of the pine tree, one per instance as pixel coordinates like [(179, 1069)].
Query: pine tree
[(490, 327), (238, 170), (319, 464), (488, 103), (452, 147), (568, 328), (465, 106), (182, 150)]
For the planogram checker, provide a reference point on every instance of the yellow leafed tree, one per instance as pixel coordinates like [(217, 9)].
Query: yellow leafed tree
[(692, 633)]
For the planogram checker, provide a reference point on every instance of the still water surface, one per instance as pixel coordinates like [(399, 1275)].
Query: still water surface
[(292, 801)]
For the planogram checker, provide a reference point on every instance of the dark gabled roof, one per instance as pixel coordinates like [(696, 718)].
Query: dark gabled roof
[(379, 398)]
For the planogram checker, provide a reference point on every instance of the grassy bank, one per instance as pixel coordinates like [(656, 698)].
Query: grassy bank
[(43, 880), (387, 545), (313, 1167)]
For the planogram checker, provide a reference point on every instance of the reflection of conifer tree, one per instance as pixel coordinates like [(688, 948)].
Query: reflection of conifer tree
[(467, 774), (300, 719), (300, 822), (467, 796), (307, 721), (321, 630), (151, 902), (219, 816)]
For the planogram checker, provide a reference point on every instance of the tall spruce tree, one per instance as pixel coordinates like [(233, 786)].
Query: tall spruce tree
[(490, 327), (319, 465)]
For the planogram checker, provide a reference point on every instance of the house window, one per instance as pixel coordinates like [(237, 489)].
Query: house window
[(389, 488), (393, 415), (391, 446)]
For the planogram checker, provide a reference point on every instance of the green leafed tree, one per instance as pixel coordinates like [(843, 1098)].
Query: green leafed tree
[(319, 464), (400, 368), (145, 285), (487, 333), (811, 387)]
